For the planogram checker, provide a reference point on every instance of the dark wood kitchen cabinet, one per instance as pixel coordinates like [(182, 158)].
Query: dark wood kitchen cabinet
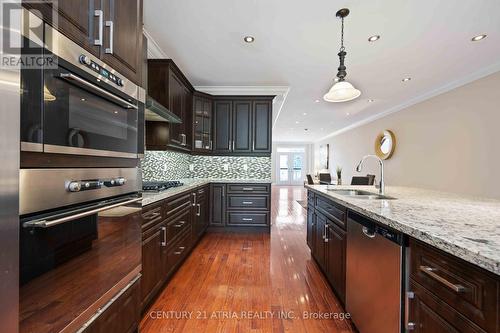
[(335, 258), (242, 125), (202, 122), (201, 218), (122, 37), (168, 86), (111, 30), (217, 205), (326, 237), (448, 294), (223, 111)]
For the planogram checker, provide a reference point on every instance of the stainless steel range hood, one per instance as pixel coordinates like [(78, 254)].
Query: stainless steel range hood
[(157, 112)]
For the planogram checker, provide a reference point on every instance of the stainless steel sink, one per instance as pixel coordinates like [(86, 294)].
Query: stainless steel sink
[(360, 194)]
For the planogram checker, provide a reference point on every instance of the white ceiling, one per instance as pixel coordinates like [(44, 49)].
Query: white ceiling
[(296, 43)]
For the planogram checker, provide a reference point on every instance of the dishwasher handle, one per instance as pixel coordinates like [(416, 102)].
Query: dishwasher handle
[(371, 228), (369, 233)]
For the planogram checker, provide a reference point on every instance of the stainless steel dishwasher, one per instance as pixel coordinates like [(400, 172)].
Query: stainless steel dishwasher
[(374, 276)]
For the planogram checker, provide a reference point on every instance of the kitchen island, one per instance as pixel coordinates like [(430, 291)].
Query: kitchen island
[(446, 267)]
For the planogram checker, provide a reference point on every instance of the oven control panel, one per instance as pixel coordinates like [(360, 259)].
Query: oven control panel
[(89, 63), (94, 184)]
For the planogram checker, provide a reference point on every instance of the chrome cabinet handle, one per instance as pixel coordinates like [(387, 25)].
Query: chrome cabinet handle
[(233, 144), (326, 233), (164, 241), (458, 288), (110, 24), (194, 199), (199, 210), (247, 202), (223, 187), (368, 233), (229, 145), (183, 139), (98, 13), (120, 101), (152, 216), (51, 223), (409, 296), (177, 252), (180, 224), (246, 219), (247, 188)]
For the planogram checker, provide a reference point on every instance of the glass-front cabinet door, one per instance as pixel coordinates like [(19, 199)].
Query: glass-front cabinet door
[(202, 114)]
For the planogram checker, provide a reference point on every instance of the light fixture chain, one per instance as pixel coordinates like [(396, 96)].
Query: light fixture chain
[(342, 48)]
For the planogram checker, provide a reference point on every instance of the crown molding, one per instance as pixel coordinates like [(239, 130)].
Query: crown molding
[(428, 95), (154, 50)]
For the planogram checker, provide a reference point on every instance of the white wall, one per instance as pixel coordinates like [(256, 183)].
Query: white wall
[(450, 142), (309, 152)]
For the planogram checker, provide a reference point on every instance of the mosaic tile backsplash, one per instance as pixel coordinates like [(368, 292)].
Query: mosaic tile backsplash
[(168, 165)]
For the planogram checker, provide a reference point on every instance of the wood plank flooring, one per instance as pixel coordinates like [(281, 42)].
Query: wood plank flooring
[(251, 282)]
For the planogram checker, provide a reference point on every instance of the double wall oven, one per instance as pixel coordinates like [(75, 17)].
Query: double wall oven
[(80, 224)]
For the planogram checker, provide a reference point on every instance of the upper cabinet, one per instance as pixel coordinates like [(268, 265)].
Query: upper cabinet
[(169, 86), (242, 126), (111, 30), (122, 37), (202, 122)]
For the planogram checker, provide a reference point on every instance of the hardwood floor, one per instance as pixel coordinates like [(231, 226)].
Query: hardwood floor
[(251, 282)]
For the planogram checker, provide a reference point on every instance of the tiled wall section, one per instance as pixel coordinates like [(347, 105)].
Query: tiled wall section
[(165, 165), (168, 165)]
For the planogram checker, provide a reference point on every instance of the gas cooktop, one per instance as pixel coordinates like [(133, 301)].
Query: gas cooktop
[(158, 186)]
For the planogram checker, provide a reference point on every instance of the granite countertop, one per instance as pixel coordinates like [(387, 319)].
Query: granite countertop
[(466, 227), (189, 184)]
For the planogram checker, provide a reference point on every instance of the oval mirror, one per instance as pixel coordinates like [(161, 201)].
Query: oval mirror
[(385, 143)]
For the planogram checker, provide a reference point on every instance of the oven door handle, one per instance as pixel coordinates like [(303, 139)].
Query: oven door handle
[(76, 79), (50, 223)]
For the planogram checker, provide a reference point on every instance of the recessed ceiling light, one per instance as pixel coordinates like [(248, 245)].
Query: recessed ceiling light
[(316, 101), (305, 114), (347, 114), (371, 100), (296, 122), (406, 79), (116, 112), (374, 38), (321, 129), (82, 99), (478, 38), (249, 39)]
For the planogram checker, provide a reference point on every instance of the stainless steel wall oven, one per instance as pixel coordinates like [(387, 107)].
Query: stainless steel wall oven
[(81, 106)]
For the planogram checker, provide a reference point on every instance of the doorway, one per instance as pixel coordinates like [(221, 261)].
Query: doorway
[(290, 166)]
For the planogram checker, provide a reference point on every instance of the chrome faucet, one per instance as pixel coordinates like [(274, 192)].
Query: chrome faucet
[(359, 167)]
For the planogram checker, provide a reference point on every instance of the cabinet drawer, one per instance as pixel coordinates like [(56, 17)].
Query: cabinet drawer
[(429, 314), (248, 202), (247, 219), (333, 211), (152, 215), (178, 250), (178, 204), (178, 224), (468, 289), (248, 188)]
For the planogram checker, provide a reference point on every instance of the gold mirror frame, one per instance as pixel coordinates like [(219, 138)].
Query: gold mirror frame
[(378, 141)]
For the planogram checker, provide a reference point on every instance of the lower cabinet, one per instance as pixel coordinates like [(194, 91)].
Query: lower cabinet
[(122, 315), (201, 211), (153, 262), (240, 205), (217, 205), (447, 294), (170, 229), (326, 237), (335, 258)]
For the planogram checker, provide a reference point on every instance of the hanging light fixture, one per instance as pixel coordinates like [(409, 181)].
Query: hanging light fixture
[(342, 91)]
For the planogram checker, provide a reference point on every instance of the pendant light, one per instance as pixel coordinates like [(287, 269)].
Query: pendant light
[(342, 91)]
